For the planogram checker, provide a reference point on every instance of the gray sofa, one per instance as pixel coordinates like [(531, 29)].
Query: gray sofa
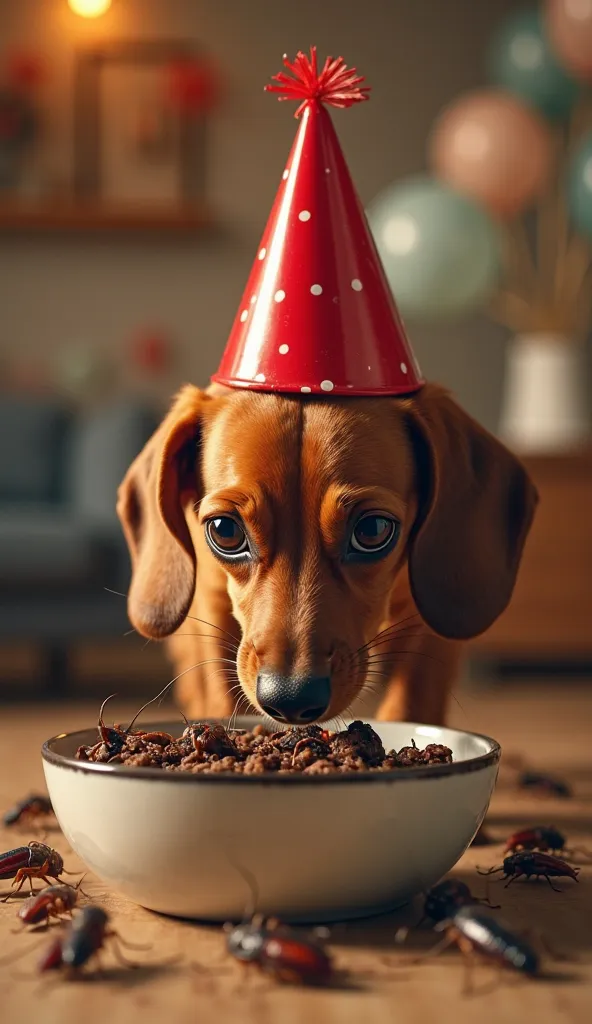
[(60, 542)]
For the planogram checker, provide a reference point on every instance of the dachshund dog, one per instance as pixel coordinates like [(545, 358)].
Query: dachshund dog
[(331, 550)]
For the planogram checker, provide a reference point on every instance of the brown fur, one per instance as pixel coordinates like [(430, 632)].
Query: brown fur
[(295, 469)]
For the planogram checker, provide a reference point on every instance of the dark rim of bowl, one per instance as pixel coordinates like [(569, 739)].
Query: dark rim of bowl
[(440, 771)]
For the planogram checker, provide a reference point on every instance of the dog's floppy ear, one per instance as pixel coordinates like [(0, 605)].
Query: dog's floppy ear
[(476, 507), (152, 499)]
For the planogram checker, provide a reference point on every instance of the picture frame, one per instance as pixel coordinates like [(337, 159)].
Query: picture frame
[(131, 147)]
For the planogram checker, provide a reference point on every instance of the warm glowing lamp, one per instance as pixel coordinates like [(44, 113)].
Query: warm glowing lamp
[(89, 8)]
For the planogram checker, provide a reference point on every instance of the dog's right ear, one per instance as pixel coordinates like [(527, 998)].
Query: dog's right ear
[(158, 489)]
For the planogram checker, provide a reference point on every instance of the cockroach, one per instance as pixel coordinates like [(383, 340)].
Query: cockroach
[(443, 900), (84, 938), (55, 901), (30, 809), (274, 948), (539, 837), (28, 862), (533, 864), (544, 785), (88, 933), (545, 838), (279, 952), (478, 934), (112, 738), (210, 739)]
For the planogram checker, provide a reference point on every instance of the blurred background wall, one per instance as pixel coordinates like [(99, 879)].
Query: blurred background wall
[(57, 291)]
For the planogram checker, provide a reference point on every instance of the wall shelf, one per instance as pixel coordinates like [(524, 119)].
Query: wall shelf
[(96, 218)]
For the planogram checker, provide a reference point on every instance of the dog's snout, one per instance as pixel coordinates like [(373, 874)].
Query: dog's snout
[(294, 699)]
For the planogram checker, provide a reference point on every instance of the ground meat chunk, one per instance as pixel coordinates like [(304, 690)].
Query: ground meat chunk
[(409, 756), (308, 750), (288, 738), (211, 749), (323, 767), (257, 764), (140, 761), (436, 753), (359, 741)]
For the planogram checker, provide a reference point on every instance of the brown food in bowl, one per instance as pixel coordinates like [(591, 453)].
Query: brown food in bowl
[(205, 748)]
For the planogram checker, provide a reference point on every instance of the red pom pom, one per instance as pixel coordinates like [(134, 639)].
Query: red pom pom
[(336, 84)]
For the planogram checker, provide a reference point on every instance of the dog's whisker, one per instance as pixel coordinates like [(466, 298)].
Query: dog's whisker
[(227, 693), (159, 696), (378, 658), (371, 690), (395, 638), (241, 702), (212, 636), (233, 712), (388, 629), (225, 645), (359, 658), (195, 618), (213, 625)]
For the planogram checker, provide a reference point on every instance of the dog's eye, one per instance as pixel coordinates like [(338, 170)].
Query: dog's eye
[(226, 536), (373, 532)]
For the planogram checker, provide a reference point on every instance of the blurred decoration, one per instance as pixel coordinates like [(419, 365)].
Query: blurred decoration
[(82, 372), (21, 73), (133, 147), (26, 375), (492, 147), (89, 8), (521, 153), (545, 401), (580, 187), (440, 250), (151, 353), (18, 129), (24, 71), (522, 61), (569, 27), (193, 86)]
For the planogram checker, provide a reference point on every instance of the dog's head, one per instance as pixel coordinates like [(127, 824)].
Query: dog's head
[(310, 509)]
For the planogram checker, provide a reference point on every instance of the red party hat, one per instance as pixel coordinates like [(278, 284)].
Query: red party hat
[(317, 314)]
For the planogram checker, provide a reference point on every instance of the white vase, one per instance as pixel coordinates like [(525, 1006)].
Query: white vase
[(545, 406)]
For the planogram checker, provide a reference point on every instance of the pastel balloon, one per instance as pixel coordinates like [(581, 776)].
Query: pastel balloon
[(569, 27), (493, 148), (522, 61), (440, 251), (580, 187)]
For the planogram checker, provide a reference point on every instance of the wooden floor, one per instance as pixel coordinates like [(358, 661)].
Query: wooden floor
[(550, 725)]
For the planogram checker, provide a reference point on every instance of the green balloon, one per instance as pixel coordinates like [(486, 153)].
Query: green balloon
[(580, 187), (522, 61), (441, 252)]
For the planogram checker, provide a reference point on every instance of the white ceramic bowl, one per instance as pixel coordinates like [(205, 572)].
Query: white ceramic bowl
[(320, 847)]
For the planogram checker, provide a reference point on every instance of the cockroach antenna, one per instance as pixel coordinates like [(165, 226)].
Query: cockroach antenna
[(102, 710)]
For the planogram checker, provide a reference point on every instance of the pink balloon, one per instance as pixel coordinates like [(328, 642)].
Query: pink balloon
[(492, 147), (569, 24)]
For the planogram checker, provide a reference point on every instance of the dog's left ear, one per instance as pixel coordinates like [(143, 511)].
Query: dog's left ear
[(476, 508)]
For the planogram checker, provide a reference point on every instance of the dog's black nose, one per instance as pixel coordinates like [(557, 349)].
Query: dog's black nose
[(293, 699)]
